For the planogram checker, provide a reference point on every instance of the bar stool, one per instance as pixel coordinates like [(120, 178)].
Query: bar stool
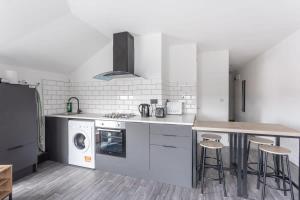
[(214, 145), (212, 137), (282, 153)]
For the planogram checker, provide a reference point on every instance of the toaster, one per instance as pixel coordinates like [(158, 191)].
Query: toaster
[(160, 112)]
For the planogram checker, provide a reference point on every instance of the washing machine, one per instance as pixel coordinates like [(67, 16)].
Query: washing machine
[(82, 143)]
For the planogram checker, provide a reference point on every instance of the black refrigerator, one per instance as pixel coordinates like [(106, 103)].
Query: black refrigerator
[(18, 128)]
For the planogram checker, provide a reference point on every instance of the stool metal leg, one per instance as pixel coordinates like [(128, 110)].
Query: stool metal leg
[(218, 165), (201, 157), (289, 175), (248, 150), (265, 160), (276, 171), (203, 169), (222, 171), (259, 163), (283, 175)]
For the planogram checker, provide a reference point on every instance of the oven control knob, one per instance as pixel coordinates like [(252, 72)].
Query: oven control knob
[(119, 124)]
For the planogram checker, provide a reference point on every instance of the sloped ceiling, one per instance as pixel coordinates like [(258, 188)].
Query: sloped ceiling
[(45, 35), (61, 35)]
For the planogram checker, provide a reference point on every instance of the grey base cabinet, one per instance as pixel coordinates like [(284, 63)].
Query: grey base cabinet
[(136, 162), (171, 154), (56, 137), (170, 165)]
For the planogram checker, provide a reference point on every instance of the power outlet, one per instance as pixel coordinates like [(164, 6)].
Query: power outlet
[(153, 101)]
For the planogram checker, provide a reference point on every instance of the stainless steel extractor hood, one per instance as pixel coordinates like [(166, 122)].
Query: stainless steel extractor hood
[(123, 58)]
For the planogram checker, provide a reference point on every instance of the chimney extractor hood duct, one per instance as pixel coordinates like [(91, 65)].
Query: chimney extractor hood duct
[(123, 58)]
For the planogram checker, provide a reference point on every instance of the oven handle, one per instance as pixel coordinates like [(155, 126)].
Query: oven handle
[(111, 130)]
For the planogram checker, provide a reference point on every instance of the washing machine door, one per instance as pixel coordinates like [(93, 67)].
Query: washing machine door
[(81, 142)]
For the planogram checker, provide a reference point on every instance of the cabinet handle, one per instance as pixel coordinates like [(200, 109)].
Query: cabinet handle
[(167, 146), (169, 135), (15, 147)]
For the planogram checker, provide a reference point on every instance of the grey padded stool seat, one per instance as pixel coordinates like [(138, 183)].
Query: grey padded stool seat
[(282, 152), (213, 145), (213, 137)]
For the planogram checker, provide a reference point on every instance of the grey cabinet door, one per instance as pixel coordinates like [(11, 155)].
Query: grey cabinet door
[(18, 116), (56, 136), (171, 165), (136, 162), (20, 156), (137, 148)]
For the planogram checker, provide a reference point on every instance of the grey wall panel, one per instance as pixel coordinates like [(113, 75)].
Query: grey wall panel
[(57, 139)]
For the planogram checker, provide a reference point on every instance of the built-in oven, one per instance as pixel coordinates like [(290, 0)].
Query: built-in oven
[(111, 138)]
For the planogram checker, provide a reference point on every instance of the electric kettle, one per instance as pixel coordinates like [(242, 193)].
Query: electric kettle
[(144, 109)]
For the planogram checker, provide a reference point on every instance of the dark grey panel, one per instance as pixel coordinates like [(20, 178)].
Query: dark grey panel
[(18, 118), (56, 137), (167, 129), (20, 156)]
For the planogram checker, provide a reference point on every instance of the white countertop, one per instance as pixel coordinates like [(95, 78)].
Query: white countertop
[(186, 119)]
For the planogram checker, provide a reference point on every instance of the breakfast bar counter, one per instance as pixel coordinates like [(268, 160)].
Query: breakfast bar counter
[(238, 134)]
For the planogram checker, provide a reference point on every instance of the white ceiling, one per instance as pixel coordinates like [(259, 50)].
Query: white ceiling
[(45, 35), (246, 28), (60, 35)]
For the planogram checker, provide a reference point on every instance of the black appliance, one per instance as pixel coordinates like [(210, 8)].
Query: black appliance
[(18, 128), (144, 109), (111, 138), (123, 57)]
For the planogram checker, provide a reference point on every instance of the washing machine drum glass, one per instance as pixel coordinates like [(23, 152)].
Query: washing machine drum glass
[(80, 141)]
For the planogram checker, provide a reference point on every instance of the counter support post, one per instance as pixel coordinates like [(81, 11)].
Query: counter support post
[(245, 166), (299, 171), (194, 159), (277, 164), (231, 154), (239, 165)]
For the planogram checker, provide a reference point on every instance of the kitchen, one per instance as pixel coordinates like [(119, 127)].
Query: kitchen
[(125, 110)]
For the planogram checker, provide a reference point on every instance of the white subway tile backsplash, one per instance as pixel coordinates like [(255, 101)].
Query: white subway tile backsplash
[(119, 95)]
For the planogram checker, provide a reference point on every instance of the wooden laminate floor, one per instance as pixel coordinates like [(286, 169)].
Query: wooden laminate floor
[(57, 181)]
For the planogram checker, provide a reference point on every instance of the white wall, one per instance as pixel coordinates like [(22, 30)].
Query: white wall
[(32, 76), (213, 87), (179, 60), (148, 56), (273, 88)]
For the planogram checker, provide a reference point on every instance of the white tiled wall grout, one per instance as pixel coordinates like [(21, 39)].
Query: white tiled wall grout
[(118, 95)]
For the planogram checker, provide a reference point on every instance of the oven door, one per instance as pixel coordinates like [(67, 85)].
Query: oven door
[(111, 142)]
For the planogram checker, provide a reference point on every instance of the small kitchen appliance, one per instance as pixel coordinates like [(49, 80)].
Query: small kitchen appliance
[(160, 112), (174, 108), (144, 109)]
